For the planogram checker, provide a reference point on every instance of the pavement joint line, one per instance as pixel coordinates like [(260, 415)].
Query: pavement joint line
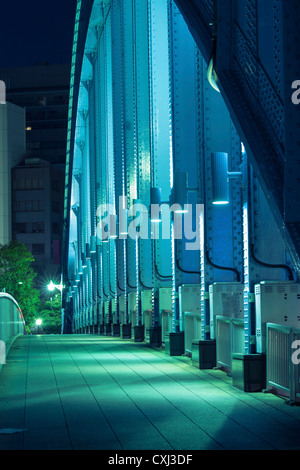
[(228, 392), (221, 381), (201, 398), (26, 391), (169, 401), (93, 395), (135, 404), (60, 400), (269, 409), (129, 348)]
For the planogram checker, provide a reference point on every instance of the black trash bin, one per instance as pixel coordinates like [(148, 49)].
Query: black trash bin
[(204, 354), (174, 343), (249, 372)]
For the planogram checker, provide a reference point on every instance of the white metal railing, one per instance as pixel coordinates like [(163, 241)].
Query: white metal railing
[(122, 307), (230, 339), (166, 323), (192, 329), (132, 308), (12, 323), (147, 321), (282, 361)]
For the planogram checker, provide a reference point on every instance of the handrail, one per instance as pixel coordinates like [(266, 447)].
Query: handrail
[(12, 323), (10, 297), (288, 385)]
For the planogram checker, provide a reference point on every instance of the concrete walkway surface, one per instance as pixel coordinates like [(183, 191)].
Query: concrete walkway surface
[(82, 392)]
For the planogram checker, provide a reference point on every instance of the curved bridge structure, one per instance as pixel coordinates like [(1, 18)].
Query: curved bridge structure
[(182, 173)]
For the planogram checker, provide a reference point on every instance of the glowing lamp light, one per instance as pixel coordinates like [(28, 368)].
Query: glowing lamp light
[(51, 286), (38, 322), (123, 224), (83, 259), (87, 251), (220, 178), (181, 211), (113, 226), (220, 203), (155, 202), (93, 248), (80, 267)]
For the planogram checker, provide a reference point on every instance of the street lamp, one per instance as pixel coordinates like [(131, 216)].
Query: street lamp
[(51, 286), (38, 324)]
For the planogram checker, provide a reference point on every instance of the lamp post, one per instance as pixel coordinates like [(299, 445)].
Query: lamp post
[(51, 286), (38, 324)]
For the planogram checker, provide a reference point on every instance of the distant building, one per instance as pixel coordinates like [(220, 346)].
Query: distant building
[(37, 191), (38, 182), (12, 151), (43, 90)]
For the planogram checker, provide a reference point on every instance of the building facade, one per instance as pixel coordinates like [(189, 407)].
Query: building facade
[(37, 193), (12, 151), (172, 107), (42, 91)]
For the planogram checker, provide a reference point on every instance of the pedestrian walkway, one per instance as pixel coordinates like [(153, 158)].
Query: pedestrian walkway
[(81, 392)]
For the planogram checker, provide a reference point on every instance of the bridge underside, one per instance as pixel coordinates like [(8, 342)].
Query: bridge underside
[(253, 47)]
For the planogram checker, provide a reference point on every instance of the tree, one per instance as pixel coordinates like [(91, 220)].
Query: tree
[(17, 278), (50, 313)]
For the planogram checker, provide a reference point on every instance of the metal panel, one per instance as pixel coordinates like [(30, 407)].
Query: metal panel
[(147, 311), (226, 299), (165, 299), (277, 303), (223, 343), (189, 298)]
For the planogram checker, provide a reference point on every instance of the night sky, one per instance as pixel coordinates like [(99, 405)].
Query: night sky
[(36, 31)]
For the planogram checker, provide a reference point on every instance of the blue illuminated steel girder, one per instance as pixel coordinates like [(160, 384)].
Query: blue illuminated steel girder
[(144, 273), (256, 61), (98, 198), (110, 158), (222, 257), (92, 131), (119, 164), (185, 133), (185, 142), (130, 148), (160, 115)]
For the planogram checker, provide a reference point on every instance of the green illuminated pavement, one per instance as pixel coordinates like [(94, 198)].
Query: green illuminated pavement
[(95, 392)]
